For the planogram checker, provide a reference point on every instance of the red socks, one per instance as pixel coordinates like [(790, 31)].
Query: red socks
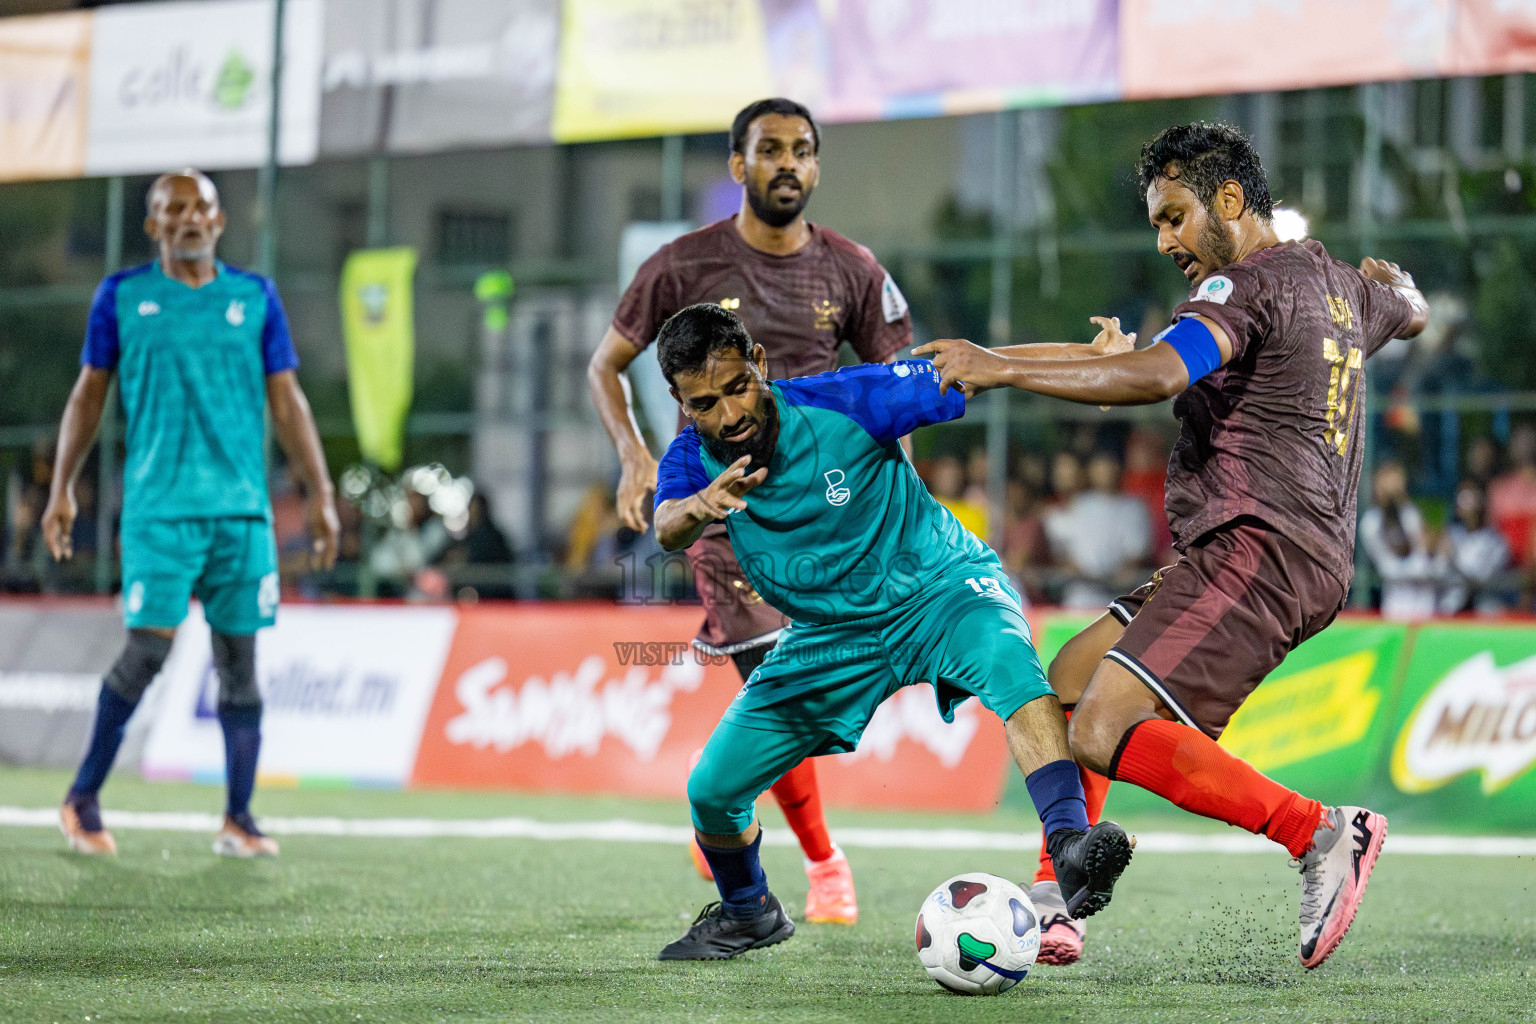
[(1185, 766), (1095, 790), (800, 799)]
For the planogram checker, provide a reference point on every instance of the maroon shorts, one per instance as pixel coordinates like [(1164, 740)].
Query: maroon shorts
[(1205, 631), (736, 618)]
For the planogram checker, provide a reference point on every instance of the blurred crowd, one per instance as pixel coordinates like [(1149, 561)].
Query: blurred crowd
[(1082, 524)]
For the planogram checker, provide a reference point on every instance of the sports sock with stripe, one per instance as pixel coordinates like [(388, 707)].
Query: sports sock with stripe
[(1185, 766)]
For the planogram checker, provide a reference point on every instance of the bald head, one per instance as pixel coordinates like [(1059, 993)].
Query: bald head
[(184, 217)]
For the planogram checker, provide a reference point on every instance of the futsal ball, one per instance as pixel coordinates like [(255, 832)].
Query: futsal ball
[(978, 934)]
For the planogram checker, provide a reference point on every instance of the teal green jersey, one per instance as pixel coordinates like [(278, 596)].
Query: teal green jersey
[(842, 528), (192, 365)]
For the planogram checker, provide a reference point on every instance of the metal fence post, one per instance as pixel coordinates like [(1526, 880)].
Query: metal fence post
[(1000, 316), (106, 453)]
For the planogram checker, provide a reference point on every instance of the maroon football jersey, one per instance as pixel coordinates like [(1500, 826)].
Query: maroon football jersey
[(1278, 431), (798, 307)]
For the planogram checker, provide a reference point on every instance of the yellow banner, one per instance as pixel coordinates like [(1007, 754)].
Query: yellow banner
[(44, 74), (377, 318), (657, 67)]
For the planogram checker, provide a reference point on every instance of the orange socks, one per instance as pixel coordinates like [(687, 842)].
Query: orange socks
[(800, 799), (1186, 767)]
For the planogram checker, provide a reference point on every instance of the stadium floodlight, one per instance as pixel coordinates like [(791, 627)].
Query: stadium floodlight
[(1290, 225)]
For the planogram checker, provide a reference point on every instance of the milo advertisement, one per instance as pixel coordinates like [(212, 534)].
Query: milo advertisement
[(1434, 725), (1464, 731)]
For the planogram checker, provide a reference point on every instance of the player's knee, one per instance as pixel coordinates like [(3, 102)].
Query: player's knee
[(1092, 737), (142, 659), (234, 658), (716, 804)]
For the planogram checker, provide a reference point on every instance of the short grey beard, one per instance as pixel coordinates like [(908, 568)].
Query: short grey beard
[(192, 255)]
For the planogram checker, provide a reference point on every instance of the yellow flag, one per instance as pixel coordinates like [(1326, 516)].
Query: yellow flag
[(377, 317)]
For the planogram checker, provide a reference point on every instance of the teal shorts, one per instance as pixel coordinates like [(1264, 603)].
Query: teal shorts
[(821, 684), (229, 563)]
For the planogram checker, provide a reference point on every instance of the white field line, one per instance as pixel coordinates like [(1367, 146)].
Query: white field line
[(621, 831)]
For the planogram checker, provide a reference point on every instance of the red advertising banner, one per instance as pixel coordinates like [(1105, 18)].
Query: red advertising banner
[(604, 699), (1207, 47), (1494, 37)]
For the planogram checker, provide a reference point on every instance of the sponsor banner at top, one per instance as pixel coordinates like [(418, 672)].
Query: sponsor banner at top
[(648, 67), (44, 71), (174, 84), (1207, 47), (416, 76), (929, 57), (1494, 37)]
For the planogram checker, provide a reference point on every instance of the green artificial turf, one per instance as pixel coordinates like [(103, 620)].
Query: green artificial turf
[(352, 929)]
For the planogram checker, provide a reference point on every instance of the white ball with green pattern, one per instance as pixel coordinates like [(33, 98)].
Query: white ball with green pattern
[(978, 934)]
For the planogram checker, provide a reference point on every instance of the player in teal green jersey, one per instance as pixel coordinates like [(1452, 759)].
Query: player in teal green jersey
[(885, 589), (202, 352)]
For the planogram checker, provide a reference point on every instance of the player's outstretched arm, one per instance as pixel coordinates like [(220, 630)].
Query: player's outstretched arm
[(611, 395), (680, 521), (77, 431), (296, 432), (1111, 341), (1128, 378), (1400, 281)]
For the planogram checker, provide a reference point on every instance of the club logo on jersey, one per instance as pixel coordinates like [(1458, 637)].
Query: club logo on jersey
[(149, 307), (902, 370), (892, 303), (826, 315), (730, 303), (134, 602), (837, 494), (235, 314), (1216, 289)]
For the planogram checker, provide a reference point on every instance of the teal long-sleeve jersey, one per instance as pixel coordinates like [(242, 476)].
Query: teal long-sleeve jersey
[(842, 528)]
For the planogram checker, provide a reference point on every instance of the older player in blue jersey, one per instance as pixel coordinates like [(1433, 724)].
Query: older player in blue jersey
[(201, 351)]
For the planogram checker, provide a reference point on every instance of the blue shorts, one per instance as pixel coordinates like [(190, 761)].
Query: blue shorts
[(228, 563)]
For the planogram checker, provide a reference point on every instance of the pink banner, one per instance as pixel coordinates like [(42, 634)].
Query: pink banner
[(1207, 47), (1494, 37), (930, 57)]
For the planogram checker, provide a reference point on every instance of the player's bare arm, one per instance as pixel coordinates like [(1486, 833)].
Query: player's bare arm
[(295, 426), (615, 407), (1400, 281), (679, 522), (1128, 377), (77, 431)]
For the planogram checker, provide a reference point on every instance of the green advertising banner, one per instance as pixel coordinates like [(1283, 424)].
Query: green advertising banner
[(1320, 723), (378, 322), (1463, 749)]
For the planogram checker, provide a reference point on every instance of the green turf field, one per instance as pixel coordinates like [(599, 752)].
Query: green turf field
[(352, 929)]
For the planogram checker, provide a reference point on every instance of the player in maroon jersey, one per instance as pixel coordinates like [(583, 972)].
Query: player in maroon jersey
[(1267, 360), (802, 290)]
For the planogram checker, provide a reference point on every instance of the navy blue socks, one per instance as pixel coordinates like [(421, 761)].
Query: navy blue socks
[(242, 745), (1057, 791), (112, 712), (739, 877)]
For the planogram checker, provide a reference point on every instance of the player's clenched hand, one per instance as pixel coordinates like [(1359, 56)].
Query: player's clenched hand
[(724, 494), (962, 362), (324, 532), (1389, 274), (637, 489), (1111, 341), (58, 525)]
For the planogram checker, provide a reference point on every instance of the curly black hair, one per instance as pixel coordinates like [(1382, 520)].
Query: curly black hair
[(688, 338), (1204, 156)]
